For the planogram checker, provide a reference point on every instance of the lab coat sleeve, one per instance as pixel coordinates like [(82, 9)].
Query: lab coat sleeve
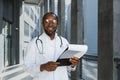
[(30, 59), (71, 69)]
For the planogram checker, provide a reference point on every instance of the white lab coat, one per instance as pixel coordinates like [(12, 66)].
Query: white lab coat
[(49, 50)]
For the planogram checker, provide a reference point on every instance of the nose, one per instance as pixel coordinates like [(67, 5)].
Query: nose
[(50, 24)]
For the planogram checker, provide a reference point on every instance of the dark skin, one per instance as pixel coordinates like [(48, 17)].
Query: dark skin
[(50, 24)]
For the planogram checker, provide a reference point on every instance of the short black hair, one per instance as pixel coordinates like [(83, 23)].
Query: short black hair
[(50, 13)]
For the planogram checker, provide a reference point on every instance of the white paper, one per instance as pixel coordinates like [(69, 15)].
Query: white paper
[(74, 50)]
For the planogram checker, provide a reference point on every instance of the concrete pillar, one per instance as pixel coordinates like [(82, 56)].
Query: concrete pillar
[(68, 22), (52, 9), (77, 29), (116, 40), (80, 22), (15, 31), (46, 6), (61, 16), (105, 40), (73, 21)]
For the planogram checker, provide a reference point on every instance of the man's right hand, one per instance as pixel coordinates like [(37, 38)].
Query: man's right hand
[(49, 66)]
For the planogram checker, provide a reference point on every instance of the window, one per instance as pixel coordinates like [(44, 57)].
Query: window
[(35, 19), (26, 9), (31, 31), (91, 26), (90, 63), (32, 15), (38, 9), (7, 45), (26, 29)]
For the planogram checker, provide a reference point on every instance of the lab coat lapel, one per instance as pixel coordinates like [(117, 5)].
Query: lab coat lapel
[(59, 50)]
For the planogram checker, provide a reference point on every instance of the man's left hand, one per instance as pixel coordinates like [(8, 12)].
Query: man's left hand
[(74, 61)]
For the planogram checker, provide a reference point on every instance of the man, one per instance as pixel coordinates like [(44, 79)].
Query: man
[(43, 51)]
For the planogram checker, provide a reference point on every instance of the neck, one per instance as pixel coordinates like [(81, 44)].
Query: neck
[(51, 36)]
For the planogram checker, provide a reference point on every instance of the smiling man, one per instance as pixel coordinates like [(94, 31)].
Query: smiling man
[(44, 50)]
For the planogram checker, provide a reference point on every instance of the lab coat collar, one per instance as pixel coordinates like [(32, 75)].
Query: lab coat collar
[(48, 36)]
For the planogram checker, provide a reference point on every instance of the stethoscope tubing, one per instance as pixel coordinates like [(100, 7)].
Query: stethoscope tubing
[(43, 45)]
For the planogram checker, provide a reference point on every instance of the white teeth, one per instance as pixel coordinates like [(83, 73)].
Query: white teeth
[(50, 28)]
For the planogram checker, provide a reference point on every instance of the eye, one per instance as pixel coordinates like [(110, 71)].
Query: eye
[(46, 21), (54, 21)]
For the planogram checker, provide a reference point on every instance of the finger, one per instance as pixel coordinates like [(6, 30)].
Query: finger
[(54, 64), (57, 63), (75, 58)]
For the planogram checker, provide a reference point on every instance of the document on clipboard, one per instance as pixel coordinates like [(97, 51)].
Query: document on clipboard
[(73, 51)]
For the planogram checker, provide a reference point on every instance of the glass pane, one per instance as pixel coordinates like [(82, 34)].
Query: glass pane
[(7, 44), (89, 63), (91, 26), (26, 29), (32, 15), (31, 31), (26, 9)]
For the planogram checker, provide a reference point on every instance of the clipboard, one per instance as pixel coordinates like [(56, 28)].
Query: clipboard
[(64, 62), (73, 51)]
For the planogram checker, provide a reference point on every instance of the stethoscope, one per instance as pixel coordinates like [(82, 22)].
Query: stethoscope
[(38, 39)]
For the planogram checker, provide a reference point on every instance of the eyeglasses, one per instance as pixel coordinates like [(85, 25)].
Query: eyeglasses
[(50, 21)]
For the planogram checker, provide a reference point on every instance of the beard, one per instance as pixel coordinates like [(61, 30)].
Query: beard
[(50, 32)]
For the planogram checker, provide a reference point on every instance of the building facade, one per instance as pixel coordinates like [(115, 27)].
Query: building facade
[(18, 25), (9, 35), (29, 26)]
